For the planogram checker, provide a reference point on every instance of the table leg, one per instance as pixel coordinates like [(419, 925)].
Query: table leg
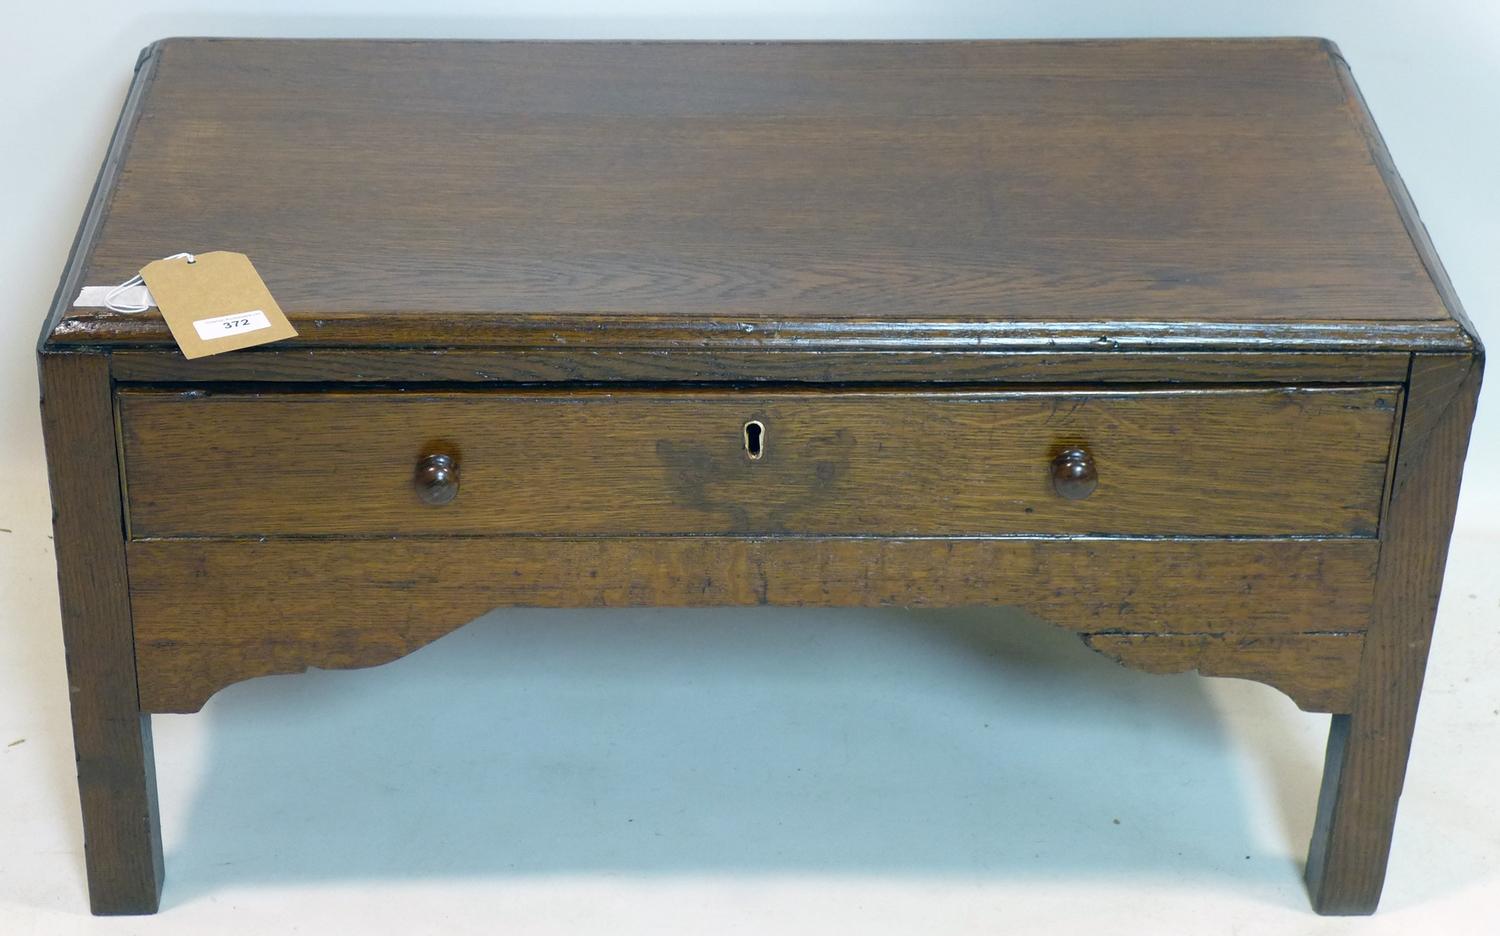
[(111, 736), (1368, 747)]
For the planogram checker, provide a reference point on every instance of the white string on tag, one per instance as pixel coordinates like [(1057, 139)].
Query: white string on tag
[(131, 308)]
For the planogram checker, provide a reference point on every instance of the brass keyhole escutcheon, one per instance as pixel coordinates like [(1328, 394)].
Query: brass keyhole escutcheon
[(755, 439)]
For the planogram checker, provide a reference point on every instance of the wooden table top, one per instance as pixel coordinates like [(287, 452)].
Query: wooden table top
[(1184, 193)]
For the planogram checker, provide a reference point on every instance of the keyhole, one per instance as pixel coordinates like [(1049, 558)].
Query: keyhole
[(755, 434)]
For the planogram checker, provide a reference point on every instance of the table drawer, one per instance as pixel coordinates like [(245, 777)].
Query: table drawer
[(1265, 461)]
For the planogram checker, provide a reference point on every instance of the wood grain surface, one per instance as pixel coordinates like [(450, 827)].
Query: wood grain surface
[(206, 614), (1202, 462), (111, 736), (672, 194), (1315, 670), (1368, 746), (413, 367)]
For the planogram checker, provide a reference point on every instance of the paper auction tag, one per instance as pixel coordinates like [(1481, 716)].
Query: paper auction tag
[(215, 302)]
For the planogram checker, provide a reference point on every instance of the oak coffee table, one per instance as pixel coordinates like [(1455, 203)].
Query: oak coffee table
[(1144, 337)]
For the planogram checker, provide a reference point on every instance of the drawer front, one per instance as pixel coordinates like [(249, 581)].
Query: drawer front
[(1251, 462)]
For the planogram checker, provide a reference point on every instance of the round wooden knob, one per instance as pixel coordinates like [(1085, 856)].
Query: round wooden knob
[(437, 479), (1074, 474)]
